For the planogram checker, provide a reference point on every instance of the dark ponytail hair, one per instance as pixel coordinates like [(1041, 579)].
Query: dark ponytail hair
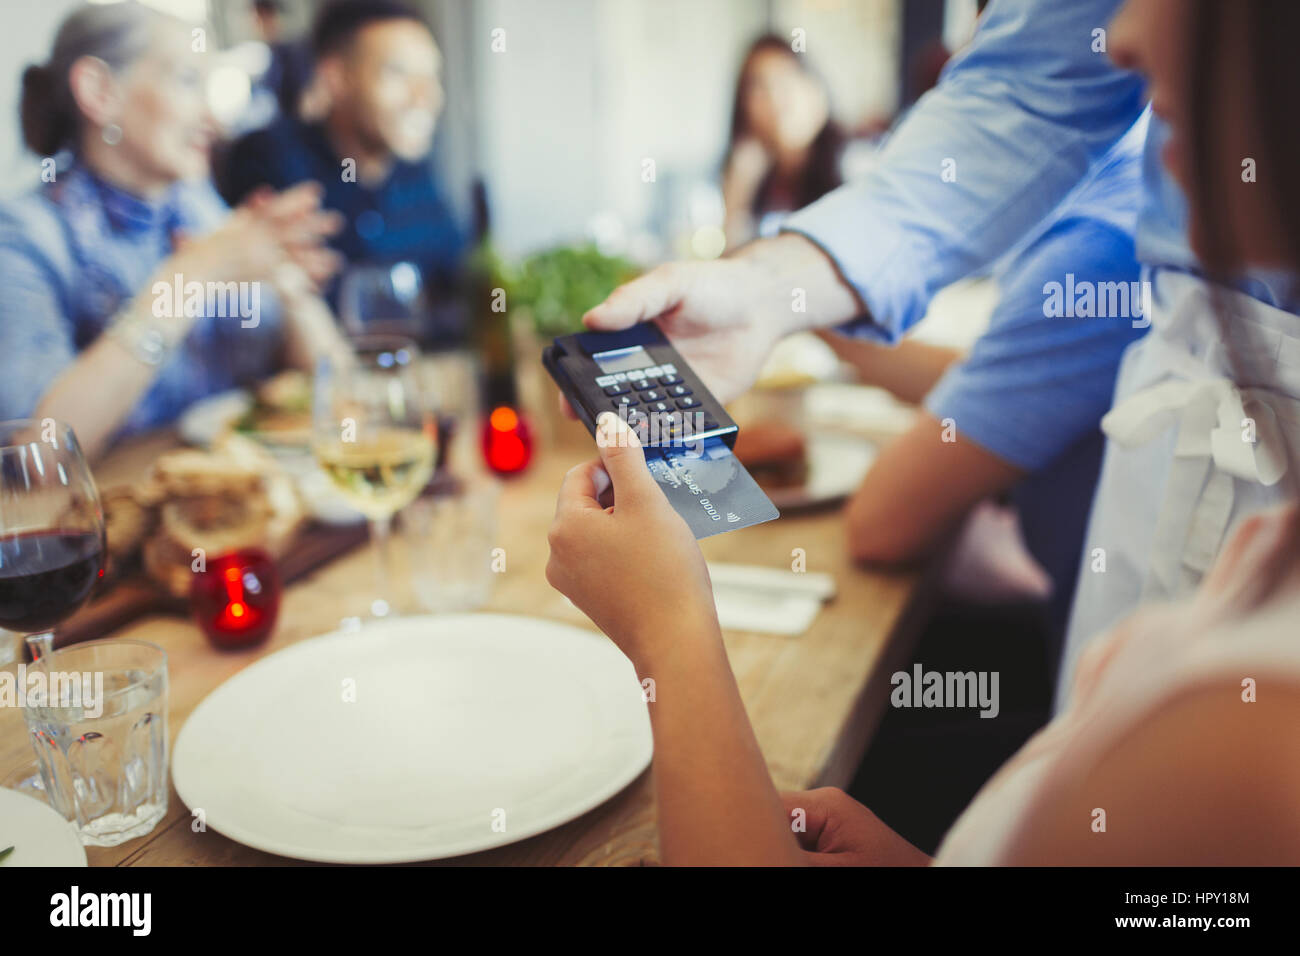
[(116, 33), (47, 123)]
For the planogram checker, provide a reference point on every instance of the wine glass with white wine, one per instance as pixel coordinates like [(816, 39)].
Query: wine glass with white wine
[(373, 434)]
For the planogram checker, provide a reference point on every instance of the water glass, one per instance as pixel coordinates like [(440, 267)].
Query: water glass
[(9, 644), (451, 542), (96, 715)]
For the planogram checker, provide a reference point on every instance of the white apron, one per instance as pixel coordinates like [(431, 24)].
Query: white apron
[(1181, 466)]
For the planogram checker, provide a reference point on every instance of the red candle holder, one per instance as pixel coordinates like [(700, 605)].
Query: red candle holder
[(236, 599), (507, 441)]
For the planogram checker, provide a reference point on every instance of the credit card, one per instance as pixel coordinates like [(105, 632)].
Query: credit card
[(710, 488)]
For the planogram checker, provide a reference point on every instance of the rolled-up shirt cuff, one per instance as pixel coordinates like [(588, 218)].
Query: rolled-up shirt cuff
[(866, 250)]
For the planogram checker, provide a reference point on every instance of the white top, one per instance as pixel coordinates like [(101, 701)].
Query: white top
[(1190, 452), (1126, 678)]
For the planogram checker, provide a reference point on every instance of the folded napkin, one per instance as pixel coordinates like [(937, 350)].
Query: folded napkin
[(768, 600)]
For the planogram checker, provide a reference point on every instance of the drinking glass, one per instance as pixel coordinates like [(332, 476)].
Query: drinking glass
[(51, 528), (451, 385), (374, 436), (382, 298), (451, 543), (96, 714)]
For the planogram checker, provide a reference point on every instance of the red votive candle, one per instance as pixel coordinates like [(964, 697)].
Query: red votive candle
[(507, 441), (236, 599)]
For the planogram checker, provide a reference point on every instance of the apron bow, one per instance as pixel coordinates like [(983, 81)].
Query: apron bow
[(1223, 434)]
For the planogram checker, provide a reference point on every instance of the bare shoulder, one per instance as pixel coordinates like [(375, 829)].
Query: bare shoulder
[(1209, 775)]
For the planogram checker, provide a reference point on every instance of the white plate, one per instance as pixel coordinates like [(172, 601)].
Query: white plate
[(37, 832), (837, 463), (459, 722), (857, 408), (207, 419), (320, 496)]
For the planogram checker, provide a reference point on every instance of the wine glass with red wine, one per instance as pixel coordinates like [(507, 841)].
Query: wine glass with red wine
[(51, 526)]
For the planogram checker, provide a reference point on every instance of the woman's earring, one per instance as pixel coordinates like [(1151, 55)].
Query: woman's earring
[(112, 134)]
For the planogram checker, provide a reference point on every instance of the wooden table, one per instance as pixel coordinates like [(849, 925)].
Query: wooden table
[(814, 699)]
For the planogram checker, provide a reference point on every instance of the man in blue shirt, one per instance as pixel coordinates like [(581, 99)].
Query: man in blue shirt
[(377, 64), (1024, 403), (1035, 385), (1020, 412), (1018, 118)]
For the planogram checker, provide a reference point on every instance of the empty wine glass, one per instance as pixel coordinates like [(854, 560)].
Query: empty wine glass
[(374, 436), (376, 298)]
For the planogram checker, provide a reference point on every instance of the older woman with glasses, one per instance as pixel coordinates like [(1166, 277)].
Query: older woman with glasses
[(127, 289)]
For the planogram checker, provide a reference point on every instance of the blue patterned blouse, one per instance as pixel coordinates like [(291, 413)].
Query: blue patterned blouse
[(72, 253)]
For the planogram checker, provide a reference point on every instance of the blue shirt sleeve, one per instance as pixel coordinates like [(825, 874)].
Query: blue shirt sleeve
[(1016, 121), (1034, 384)]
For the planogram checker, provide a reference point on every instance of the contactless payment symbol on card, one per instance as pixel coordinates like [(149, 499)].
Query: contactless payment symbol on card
[(713, 491)]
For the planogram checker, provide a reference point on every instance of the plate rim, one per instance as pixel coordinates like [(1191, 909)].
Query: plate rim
[(206, 406), (579, 808), (75, 836)]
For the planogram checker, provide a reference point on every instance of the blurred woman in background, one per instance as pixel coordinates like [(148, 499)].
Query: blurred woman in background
[(785, 150), (95, 262)]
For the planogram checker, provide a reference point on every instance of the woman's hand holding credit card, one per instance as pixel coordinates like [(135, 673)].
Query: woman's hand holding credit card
[(598, 554)]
